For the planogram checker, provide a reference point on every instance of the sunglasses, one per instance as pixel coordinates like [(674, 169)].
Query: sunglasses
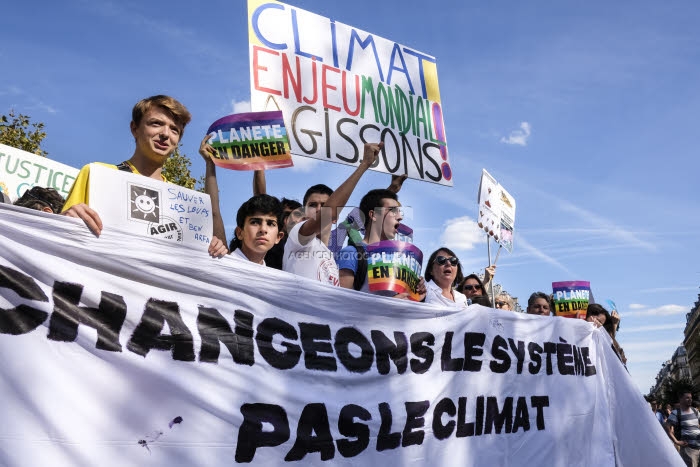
[(500, 304), (443, 259), (471, 287)]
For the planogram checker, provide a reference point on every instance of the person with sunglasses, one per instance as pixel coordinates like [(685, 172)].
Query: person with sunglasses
[(472, 286), (442, 273), (504, 301)]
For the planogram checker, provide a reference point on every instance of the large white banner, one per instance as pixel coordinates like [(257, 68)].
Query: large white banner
[(127, 351), (21, 170), (339, 87)]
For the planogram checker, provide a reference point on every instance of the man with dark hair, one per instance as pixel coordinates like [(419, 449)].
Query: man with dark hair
[(683, 429), (382, 215), (306, 252), (275, 255), (257, 228), (157, 125), (41, 199)]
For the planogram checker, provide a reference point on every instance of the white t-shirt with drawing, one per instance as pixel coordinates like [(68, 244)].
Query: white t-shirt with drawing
[(313, 260)]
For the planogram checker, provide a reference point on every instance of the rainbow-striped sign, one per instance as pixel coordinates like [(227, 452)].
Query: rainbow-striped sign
[(394, 267), (571, 298), (251, 141)]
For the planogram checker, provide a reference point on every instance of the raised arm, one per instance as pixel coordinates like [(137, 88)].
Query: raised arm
[(211, 187), (259, 183), (339, 198)]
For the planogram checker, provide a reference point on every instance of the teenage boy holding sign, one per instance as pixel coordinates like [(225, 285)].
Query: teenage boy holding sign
[(157, 125)]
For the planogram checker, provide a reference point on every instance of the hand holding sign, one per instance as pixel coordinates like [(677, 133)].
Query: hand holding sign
[(249, 141), (369, 159)]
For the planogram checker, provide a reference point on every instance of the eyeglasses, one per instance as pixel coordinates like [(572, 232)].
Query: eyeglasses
[(500, 304), (396, 210), (443, 259), (470, 287)]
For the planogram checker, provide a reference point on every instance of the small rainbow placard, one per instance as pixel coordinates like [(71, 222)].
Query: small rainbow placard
[(571, 298), (394, 267), (251, 141)]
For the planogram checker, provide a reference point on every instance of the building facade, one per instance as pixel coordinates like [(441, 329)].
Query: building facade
[(692, 341)]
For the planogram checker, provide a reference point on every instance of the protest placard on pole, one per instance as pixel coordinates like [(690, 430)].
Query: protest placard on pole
[(151, 208), (338, 86), (394, 267), (496, 211), (250, 141), (571, 298), (21, 170)]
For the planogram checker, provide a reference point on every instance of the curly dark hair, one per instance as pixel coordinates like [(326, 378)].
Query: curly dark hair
[(39, 198)]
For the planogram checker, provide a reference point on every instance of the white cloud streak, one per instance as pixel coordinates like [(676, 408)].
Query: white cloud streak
[(537, 253), (615, 231), (655, 327), (671, 289), (518, 137), (663, 310), (646, 346)]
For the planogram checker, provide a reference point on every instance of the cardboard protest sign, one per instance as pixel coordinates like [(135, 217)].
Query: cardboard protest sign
[(151, 208), (394, 267), (250, 141), (338, 86), (571, 298), (496, 211), (21, 170)]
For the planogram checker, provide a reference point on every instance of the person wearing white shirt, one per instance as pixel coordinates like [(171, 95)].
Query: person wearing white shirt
[(443, 272)]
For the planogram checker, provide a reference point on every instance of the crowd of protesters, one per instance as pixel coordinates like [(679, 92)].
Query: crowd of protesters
[(299, 238)]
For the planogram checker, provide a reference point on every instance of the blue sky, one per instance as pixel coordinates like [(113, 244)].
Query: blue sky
[(586, 113)]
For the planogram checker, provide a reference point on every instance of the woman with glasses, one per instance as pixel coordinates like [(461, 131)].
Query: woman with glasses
[(442, 273), (472, 286), (505, 302)]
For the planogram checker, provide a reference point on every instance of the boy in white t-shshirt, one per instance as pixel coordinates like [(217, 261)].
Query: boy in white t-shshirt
[(305, 252)]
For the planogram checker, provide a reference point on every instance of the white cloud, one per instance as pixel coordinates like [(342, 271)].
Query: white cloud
[(636, 306), (663, 310), (462, 233), (518, 137), (240, 107)]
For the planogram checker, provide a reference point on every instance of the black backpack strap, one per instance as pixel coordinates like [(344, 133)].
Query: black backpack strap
[(679, 433), (361, 272), (125, 167)]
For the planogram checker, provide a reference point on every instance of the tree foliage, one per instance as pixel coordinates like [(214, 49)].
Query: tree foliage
[(177, 170), (20, 132), (672, 387)]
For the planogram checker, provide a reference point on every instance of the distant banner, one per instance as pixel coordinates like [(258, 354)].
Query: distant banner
[(21, 170), (339, 86), (496, 211), (394, 267), (251, 141), (151, 208), (571, 298), (124, 351)]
